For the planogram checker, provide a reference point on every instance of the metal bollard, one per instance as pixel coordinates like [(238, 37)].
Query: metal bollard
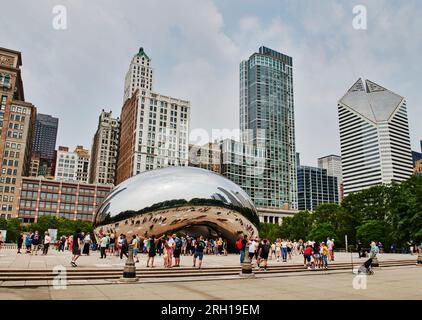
[(129, 271), (247, 271)]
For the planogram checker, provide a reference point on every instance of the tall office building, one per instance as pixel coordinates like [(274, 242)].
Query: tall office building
[(374, 137), (44, 145), (17, 120), (104, 150), (139, 75), (154, 129), (45, 135), (72, 166), (267, 121), (332, 163), (315, 187)]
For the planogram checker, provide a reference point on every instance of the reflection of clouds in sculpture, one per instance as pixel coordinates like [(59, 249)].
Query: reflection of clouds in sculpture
[(172, 183)]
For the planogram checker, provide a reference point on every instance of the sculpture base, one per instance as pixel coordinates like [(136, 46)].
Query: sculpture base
[(128, 280)]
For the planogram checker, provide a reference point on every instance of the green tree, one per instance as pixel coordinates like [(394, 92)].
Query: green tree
[(270, 231), (298, 226), (323, 231), (373, 230)]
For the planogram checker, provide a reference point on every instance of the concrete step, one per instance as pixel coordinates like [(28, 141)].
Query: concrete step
[(148, 273)]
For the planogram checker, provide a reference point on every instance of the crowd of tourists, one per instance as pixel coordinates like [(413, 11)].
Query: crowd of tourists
[(167, 246), (315, 255)]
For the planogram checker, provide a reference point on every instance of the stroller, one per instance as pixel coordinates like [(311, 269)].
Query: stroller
[(366, 268)]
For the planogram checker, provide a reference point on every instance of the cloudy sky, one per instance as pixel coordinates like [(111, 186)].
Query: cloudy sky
[(196, 47)]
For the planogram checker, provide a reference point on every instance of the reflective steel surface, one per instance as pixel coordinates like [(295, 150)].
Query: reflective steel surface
[(172, 183)]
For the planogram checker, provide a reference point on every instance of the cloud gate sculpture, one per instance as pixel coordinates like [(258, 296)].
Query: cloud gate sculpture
[(185, 200)]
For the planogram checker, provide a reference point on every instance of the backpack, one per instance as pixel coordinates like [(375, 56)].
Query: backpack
[(239, 244), (201, 245), (178, 243)]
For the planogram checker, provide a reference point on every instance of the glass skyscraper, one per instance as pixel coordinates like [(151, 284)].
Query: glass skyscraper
[(267, 121)]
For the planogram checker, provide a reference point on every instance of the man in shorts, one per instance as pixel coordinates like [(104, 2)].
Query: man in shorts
[(76, 248), (264, 250), (177, 250), (199, 252)]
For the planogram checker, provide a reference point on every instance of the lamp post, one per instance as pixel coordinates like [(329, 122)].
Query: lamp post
[(129, 271), (247, 265)]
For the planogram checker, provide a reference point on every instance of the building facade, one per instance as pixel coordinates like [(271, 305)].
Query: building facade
[(45, 135), (17, 120), (207, 156), (104, 150), (139, 75), (332, 163), (374, 137), (62, 199), (72, 166), (315, 187), (154, 131), (267, 121)]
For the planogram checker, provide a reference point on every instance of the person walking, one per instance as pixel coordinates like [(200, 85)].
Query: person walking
[(324, 255), (124, 247), (87, 244), (152, 249), (103, 246), (284, 250), (1, 240), (35, 242), (177, 250), (77, 242), (278, 249), (20, 242), (135, 245), (47, 241), (199, 252), (242, 246), (264, 251), (62, 243), (28, 239)]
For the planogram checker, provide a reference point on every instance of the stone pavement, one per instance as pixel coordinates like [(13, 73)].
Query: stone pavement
[(9, 259), (394, 283)]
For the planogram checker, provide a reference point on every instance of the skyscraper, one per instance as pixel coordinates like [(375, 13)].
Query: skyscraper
[(315, 187), (104, 150), (17, 120), (267, 121), (45, 135), (332, 163), (139, 75), (154, 129), (374, 137)]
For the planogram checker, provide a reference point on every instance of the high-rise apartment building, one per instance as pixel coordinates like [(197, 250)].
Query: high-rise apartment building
[(374, 137), (72, 166), (44, 145), (45, 135), (315, 187), (17, 120), (207, 156), (267, 121), (332, 163), (104, 150), (154, 129)]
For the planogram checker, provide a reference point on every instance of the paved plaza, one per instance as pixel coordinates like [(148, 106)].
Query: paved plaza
[(9, 259), (397, 283)]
